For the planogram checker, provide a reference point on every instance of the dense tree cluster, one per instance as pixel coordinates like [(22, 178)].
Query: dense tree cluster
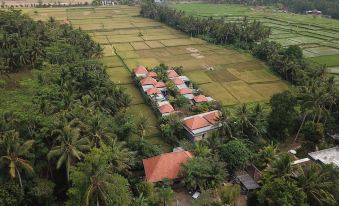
[(68, 144), (215, 30), (25, 43)]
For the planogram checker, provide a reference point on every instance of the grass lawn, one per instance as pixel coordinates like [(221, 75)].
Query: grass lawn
[(218, 92), (199, 77), (113, 61), (119, 75), (139, 45), (267, 90), (330, 61), (243, 92), (134, 93), (146, 111)]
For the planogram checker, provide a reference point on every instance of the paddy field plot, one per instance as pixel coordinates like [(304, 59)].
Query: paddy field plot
[(318, 36)]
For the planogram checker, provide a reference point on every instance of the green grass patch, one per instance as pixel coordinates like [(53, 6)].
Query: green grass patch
[(154, 44), (218, 92), (135, 94), (267, 90), (113, 61), (199, 77), (330, 61), (243, 92), (139, 45), (119, 75)]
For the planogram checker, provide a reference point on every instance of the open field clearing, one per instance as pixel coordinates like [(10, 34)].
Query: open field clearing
[(229, 76), (318, 36)]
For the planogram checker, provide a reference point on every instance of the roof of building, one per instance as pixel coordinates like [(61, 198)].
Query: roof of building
[(148, 81), (166, 108), (185, 91), (172, 74), (212, 117), (140, 70), (200, 98), (202, 122), (152, 74), (165, 165), (196, 123), (177, 81), (153, 91), (160, 85), (247, 181), (326, 156)]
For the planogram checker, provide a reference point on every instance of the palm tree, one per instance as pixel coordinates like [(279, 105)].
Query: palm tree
[(313, 179), (14, 154), (201, 150), (96, 190), (142, 125), (280, 167), (71, 147), (99, 132), (120, 157)]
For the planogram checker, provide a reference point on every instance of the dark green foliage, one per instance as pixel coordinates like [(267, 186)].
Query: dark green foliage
[(236, 154), (10, 194), (41, 192), (27, 44), (216, 30), (281, 192), (203, 173), (313, 132), (283, 115)]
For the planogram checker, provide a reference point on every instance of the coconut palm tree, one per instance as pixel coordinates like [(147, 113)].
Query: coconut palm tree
[(70, 147), (315, 182), (280, 167), (141, 126), (15, 152)]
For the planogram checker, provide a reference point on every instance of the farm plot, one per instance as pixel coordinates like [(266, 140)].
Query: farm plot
[(140, 41), (330, 61), (119, 75)]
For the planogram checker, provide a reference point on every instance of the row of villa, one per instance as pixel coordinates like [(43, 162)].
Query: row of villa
[(197, 127)]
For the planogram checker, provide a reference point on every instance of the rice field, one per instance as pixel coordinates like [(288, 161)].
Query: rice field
[(318, 36), (229, 76)]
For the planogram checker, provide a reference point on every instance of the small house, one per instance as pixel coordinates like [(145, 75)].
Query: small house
[(165, 108), (140, 71), (172, 74), (200, 126), (165, 166)]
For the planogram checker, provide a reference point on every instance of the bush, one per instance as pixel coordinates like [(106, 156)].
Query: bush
[(10, 194)]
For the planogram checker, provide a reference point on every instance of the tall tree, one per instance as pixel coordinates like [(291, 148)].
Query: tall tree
[(71, 147), (14, 154)]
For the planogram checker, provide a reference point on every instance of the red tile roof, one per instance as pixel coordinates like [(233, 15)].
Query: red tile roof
[(200, 98), (153, 91), (177, 81), (196, 123), (160, 85), (172, 74), (165, 165), (152, 74), (185, 91), (212, 117), (166, 108), (148, 81), (140, 70)]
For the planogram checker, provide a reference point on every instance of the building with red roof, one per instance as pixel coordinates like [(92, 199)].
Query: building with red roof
[(140, 71), (178, 81), (153, 91), (166, 109), (165, 166), (172, 74), (160, 85), (185, 91), (152, 74), (148, 81), (200, 126), (200, 98)]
